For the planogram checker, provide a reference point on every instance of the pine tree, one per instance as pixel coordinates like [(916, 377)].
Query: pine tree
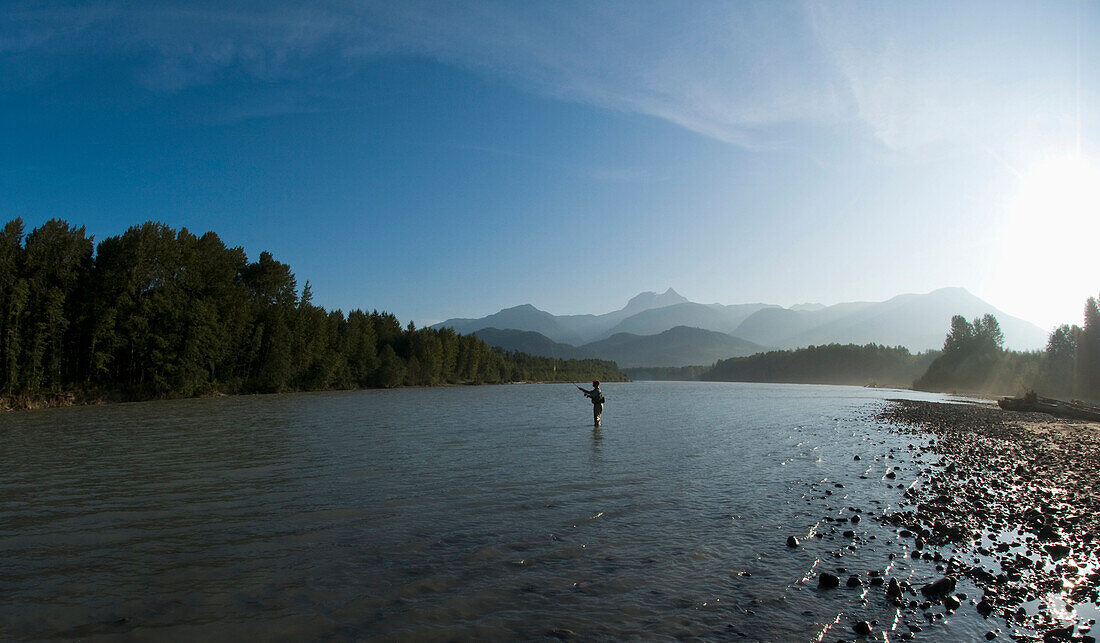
[(55, 262), (1088, 352), (1059, 358), (13, 301)]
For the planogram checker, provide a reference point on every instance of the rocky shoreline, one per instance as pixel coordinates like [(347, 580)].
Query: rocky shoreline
[(1011, 503)]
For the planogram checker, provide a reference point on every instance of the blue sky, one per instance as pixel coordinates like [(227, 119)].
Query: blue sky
[(444, 159)]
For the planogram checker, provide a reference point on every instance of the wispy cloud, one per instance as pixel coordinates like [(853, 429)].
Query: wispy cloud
[(999, 77), (733, 72), (721, 70)]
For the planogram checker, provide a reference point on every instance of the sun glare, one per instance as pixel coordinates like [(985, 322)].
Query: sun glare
[(1063, 191), (1048, 239)]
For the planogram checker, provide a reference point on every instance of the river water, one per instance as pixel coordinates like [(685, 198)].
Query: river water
[(491, 512)]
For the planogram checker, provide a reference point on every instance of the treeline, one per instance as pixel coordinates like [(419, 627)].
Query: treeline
[(667, 373), (157, 312), (871, 364), (974, 359)]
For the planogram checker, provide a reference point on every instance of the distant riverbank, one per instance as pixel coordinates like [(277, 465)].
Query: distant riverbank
[(1017, 490), (31, 402)]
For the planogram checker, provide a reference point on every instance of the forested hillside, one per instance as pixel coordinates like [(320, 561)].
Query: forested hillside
[(155, 313)]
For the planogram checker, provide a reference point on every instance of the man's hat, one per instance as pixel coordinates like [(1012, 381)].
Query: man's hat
[(595, 382)]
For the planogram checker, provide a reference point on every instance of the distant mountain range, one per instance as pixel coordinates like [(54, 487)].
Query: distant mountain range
[(679, 346), (668, 330)]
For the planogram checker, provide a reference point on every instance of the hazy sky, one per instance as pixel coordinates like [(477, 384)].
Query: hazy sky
[(444, 159)]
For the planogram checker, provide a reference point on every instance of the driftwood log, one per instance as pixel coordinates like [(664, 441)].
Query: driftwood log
[(1032, 402)]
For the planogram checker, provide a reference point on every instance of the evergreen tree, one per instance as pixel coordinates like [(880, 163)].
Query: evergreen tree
[(56, 260), (391, 370), (988, 337), (273, 291), (959, 338), (1058, 360), (1088, 352), (362, 348), (972, 357), (13, 301)]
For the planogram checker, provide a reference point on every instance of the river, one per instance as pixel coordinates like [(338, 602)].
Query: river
[(492, 512)]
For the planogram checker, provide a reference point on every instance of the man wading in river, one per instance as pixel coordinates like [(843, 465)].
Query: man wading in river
[(596, 395)]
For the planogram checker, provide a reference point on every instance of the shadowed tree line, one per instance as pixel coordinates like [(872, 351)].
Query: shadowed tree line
[(974, 359), (155, 312), (850, 364), (827, 364)]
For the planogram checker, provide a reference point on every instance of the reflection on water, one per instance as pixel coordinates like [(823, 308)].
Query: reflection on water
[(472, 512)]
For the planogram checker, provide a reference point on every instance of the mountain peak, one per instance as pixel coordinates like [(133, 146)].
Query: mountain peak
[(650, 299), (521, 307)]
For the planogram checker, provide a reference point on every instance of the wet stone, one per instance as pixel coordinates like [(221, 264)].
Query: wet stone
[(942, 587)]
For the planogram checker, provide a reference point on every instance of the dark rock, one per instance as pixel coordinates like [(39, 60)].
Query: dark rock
[(942, 587), (985, 608), (1057, 552), (863, 628), (792, 541), (893, 590), (827, 581), (1058, 634), (951, 603), (854, 581), (989, 636)]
